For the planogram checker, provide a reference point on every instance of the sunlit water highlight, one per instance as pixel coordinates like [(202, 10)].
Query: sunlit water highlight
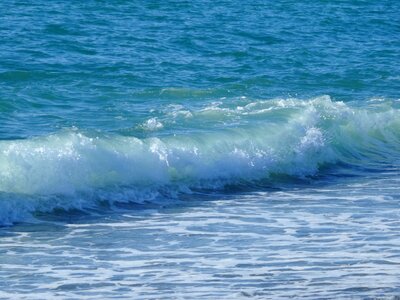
[(199, 150)]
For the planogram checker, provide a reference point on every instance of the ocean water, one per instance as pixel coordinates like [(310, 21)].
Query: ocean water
[(199, 149)]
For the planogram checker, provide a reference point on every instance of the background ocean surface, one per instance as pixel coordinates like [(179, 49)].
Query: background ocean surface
[(199, 149)]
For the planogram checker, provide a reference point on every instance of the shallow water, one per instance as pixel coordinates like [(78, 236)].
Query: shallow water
[(325, 241), (195, 150)]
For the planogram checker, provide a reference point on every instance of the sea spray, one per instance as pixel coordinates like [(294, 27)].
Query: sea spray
[(74, 169)]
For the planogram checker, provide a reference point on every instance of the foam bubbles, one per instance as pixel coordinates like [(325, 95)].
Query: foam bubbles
[(152, 124), (72, 166)]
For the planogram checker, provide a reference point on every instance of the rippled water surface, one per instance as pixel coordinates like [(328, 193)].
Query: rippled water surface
[(328, 241), (199, 150)]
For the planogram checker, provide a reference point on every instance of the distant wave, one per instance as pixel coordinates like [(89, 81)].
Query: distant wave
[(76, 169)]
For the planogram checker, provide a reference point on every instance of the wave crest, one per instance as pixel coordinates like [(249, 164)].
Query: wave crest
[(291, 137)]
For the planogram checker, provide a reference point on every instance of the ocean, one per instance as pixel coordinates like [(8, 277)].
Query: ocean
[(199, 149)]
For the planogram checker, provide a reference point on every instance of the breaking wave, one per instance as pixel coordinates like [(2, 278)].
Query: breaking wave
[(77, 169)]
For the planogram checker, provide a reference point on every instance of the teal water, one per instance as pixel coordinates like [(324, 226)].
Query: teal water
[(199, 150)]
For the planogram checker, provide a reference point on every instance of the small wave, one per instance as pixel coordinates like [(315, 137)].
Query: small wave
[(73, 169), (152, 124)]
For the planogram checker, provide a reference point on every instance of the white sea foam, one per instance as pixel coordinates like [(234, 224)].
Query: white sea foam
[(47, 172), (152, 124)]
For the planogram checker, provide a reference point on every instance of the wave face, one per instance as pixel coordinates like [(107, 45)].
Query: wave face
[(249, 142)]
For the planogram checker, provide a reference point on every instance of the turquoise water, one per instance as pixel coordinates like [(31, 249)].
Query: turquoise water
[(195, 150)]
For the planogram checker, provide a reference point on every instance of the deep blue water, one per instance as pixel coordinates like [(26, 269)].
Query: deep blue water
[(174, 149)]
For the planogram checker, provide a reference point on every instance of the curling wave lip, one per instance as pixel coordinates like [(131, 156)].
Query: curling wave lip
[(309, 135)]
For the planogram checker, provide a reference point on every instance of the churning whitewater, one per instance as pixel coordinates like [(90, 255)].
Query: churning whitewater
[(253, 141), (199, 149)]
